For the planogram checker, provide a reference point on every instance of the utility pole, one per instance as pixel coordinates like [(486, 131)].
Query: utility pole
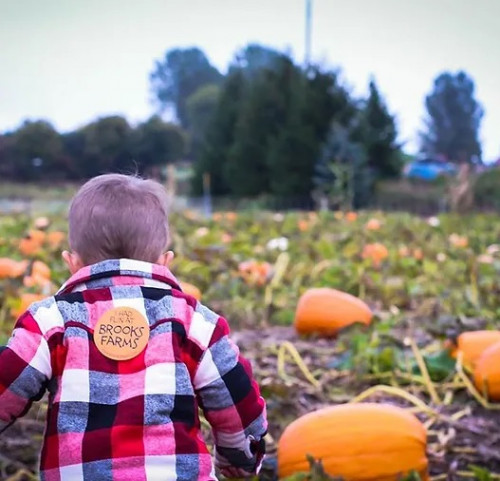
[(307, 55)]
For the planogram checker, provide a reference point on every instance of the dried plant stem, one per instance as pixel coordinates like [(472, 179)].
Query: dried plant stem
[(471, 475), (23, 475), (395, 392), (285, 347), (423, 369)]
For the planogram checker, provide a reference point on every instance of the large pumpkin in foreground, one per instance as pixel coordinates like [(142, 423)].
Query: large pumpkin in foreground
[(472, 345), (356, 442), (487, 372), (325, 311)]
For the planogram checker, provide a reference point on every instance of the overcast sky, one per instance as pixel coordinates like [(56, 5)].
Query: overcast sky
[(69, 61)]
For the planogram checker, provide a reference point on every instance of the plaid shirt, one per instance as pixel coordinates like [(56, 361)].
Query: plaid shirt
[(136, 419)]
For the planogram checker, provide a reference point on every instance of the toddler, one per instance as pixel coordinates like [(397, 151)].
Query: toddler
[(127, 358)]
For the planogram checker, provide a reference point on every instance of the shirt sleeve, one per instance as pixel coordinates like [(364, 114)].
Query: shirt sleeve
[(25, 369), (230, 397)]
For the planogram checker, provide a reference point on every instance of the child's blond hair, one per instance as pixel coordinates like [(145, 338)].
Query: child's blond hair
[(119, 216)]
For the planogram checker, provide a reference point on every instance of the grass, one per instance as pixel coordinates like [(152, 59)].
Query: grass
[(37, 191)]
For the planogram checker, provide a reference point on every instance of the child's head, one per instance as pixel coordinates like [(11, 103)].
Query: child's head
[(118, 216)]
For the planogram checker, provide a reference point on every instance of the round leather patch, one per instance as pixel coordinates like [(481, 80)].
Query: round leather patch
[(121, 333)]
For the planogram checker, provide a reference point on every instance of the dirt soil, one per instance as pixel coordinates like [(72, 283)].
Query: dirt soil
[(464, 434)]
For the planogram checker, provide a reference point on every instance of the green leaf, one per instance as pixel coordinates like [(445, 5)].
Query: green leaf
[(481, 474), (439, 365), (412, 476), (343, 362), (386, 359)]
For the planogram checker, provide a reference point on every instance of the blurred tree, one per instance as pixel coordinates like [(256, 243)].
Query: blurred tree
[(313, 99), (107, 147), (268, 127), (291, 157), (254, 57), (378, 134), (453, 121), (200, 109), (262, 111), (157, 143), (179, 75), (73, 147), (327, 101), (6, 163), (282, 124), (219, 138), (342, 176), (34, 151)]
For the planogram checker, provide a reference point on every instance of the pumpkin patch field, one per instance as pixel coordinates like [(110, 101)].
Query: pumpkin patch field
[(374, 336)]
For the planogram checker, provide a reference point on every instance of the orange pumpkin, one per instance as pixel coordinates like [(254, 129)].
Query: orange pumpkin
[(36, 281), (189, 214), (32, 243), (55, 238), (325, 311), (472, 345), (373, 224), (351, 216), (190, 290), (255, 272), (10, 268), (376, 252), (39, 277), (303, 225), (26, 300), (356, 442), (41, 269), (37, 235), (458, 240), (486, 372), (28, 246)]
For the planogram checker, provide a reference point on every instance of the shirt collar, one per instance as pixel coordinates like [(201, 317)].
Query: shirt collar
[(98, 275)]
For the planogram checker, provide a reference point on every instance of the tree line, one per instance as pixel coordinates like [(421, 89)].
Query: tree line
[(267, 127), (36, 151)]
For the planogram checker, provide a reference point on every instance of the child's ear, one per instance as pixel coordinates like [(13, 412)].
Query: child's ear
[(73, 261), (166, 259)]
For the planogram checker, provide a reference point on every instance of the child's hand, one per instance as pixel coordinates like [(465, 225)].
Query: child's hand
[(248, 461), (237, 473)]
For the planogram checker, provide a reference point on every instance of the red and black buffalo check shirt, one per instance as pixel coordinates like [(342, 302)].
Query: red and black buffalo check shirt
[(137, 419)]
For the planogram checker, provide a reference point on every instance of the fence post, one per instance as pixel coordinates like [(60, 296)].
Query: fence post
[(207, 200)]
